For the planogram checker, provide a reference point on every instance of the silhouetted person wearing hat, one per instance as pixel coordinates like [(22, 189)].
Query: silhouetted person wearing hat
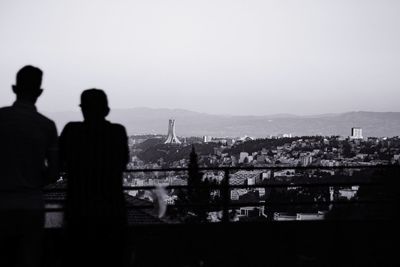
[(94, 154), (28, 161)]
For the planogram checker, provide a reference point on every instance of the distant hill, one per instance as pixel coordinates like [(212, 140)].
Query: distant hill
[(189, 123)]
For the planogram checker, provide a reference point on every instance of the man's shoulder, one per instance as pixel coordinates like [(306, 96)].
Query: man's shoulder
[(5, 109), (118, 127), (73, 125), (12, 111), (44, 119)]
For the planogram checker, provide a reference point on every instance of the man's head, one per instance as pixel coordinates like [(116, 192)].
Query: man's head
[(28, 83), (94, 104)]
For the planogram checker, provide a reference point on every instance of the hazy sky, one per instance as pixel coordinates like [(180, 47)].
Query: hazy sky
[(217, 56)]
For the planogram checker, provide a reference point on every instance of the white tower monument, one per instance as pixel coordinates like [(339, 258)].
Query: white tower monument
[(171, 138)]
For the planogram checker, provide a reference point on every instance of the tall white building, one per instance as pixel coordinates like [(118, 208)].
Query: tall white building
[(356, 133), (207, 138)]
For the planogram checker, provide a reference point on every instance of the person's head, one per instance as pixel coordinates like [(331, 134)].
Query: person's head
[(28, 83), (94, 105)]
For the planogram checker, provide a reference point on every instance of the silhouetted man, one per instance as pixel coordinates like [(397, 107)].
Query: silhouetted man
[(94, 154), (28, 160)]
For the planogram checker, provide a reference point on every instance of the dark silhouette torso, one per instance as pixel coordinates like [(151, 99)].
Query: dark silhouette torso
[(26, 137), (26, 140), (95, 156)]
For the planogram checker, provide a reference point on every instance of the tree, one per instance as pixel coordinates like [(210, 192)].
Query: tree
[(347, 150), (197, 196), (199, 190)]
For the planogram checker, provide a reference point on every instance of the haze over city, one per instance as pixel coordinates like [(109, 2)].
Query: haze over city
[(218, 57)]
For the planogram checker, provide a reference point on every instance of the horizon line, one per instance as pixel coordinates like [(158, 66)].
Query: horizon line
[(282, 115)]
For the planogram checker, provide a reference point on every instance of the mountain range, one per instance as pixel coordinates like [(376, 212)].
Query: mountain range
[(144, 120)]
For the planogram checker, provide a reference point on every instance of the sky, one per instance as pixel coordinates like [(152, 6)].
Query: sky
[(239, 57)]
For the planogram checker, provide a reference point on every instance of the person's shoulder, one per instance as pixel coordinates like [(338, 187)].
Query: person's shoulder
[(5, 109), (73, 125), (44, 119), (73, 128), (118, 127)]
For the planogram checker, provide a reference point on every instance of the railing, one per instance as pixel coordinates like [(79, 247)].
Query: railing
[(224, 187), (319, 243)]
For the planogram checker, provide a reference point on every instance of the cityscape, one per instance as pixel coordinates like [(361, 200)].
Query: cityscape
[(284, 150)]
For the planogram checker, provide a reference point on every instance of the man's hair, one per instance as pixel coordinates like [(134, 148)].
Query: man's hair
[(94, 104), (29, 78), (94, 98)]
